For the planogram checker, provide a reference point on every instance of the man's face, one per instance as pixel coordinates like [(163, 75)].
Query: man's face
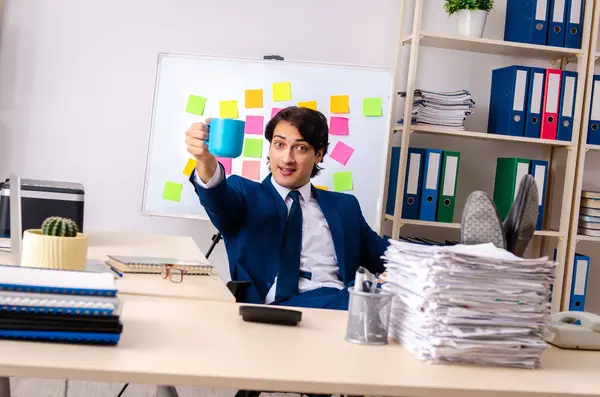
[(291, 157)]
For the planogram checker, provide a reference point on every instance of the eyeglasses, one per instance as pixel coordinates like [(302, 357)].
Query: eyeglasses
[(174, 274)]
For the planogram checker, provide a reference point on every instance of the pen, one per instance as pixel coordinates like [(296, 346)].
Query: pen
[(118, 273)]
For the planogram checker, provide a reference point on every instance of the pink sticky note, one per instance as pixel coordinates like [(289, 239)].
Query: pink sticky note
[(226, 164), (251, 169), (338, 126), (254, 125), (274, 112), (341, 153)]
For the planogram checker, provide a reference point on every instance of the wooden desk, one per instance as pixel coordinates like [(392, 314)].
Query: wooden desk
[(102, 243), (195, 343)]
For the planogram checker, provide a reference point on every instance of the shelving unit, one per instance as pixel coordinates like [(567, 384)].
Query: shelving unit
[(558, 58), (484, 136), (583, 148)]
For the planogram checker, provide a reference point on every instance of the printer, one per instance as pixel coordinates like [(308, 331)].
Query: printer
[(41, 199)]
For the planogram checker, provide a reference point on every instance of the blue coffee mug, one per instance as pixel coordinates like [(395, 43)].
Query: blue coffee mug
[(226, 137)]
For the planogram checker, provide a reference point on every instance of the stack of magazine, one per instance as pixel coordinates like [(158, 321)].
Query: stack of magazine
[(589, 214), (464, 304), (441, 109), (59, 305)]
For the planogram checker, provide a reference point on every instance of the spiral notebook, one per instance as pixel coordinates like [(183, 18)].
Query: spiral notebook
[(149, 264), (58, 304), (51, 281)]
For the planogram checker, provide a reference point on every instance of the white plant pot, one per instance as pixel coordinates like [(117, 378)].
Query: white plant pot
[(471, 23), (54, 252)]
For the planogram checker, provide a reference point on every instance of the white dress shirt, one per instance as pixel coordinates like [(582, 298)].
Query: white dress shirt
[(317, 256)]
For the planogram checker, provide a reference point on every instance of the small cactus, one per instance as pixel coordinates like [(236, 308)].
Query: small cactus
[(57, 226)]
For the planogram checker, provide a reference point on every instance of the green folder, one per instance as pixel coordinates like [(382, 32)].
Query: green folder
[(509, 172), (448, 182)]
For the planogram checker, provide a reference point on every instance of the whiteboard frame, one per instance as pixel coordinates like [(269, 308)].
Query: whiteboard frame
[(384, 150)]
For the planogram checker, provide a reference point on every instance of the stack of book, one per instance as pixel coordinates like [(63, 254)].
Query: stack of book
[(59, 305), (462, 304), (589, 214), (441, 109)]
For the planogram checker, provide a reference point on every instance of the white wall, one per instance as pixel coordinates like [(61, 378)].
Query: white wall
[(78, 76)]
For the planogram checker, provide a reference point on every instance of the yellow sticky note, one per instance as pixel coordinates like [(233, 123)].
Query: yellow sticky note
[(254, 99), (321, 187), (310, 104), (229, 110), (189, 167), (339, 104), (282, 91), (172, 191)]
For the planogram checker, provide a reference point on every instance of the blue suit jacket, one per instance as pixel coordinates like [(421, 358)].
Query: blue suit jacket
[(251, 216)]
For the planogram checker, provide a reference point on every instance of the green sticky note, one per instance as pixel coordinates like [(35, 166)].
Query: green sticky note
[(342, 181), (196, 105), (282, 91), (172, 191), (372, 107), (253, 148)]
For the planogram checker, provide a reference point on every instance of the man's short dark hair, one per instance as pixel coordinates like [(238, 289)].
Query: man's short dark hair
[(311, 124)]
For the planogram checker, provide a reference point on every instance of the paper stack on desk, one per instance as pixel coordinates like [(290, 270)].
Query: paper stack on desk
[(468, 304), (441, 109), (59, 305)]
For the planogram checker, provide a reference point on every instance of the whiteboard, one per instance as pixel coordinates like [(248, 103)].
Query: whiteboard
[(225, 79)]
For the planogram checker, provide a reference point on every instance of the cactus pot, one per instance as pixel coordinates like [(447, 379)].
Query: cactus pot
[(54, 252)]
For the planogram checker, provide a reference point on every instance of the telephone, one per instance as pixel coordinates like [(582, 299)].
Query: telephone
[(563, 330)]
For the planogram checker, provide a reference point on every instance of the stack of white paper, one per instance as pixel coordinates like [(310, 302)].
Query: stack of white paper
[(473, 304), (442, 109)]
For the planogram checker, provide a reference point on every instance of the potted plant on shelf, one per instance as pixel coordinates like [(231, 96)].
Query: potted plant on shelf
[(472, 15), (57, 245)]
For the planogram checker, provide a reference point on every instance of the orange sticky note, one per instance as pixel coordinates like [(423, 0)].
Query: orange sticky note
[(189, 167), (339, 104), (310, 104), (321, 187), (254, 99), (229, 110)]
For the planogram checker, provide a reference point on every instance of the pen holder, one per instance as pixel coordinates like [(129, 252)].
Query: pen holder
[(368, 317)]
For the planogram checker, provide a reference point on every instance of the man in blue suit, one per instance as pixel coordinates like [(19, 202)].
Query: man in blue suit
[(297, 245)]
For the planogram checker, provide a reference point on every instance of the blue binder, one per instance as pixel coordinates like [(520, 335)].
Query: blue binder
[(508, 101), (412, 184), (574, 23), (557, 25), (566, 113), (393, 181), (539, 171), (581, 267), (535, 96), (430, 182), (526, 21), (593, 137)]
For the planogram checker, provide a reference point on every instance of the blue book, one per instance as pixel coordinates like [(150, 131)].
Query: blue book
[(526, 21), (430, 182), (535, 95), (574, 25), (508, 101), (568, 92)]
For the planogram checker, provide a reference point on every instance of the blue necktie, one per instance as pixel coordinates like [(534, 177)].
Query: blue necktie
[(289, 266)]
